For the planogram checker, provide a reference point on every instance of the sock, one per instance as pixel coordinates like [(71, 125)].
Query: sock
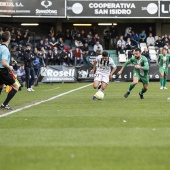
[(161, 81), (164, 82), (131, 87), (10, 96), (143, 90), (1, 90)]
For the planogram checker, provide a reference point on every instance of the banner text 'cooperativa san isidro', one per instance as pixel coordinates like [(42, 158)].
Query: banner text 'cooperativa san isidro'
[(112, 8)]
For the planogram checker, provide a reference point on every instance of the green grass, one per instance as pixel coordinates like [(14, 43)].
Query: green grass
[(73, 132)]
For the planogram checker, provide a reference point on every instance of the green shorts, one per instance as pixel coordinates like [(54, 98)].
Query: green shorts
[(143, 79), (163, 70)]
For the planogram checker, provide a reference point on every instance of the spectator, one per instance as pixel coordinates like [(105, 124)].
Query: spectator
[(40, 45), (78, 40), (134, 36), (150, 41), (159, 42), (18, 36), (67, 34), (20, 53), (13, 35), (83, 35), (60, 44), (97, 38), (46, 44), (121, 45), (165, 37), (98, 49), (36, 64), (106, 34), (74, 33), (146, 54), (113, 36), (59, 34), (128, 44), (43, 54), (29, 70), (49, 57), (78, 59), (166, 42), (64, 58), (53, 43), (85, 49), (142, 36), (13, 51), (128, 32), (56, 56), (26, 37), (89, 40)]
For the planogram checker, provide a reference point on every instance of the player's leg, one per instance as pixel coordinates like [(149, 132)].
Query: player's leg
[(133, 84), (165, 78), (11, 82), (97, 80), (144, 89), (161, 71), (145, 81), (105, 82)]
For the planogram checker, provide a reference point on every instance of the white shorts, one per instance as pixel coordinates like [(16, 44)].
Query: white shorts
[(101, 77)]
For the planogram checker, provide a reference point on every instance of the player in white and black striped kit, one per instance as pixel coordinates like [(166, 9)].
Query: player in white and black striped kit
[(103, 64)]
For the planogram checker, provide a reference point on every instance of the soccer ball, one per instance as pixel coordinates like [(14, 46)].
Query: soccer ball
[(99, 95)]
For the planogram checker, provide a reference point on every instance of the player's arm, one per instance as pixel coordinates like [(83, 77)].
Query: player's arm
[(6, 65), (94, 67), (112, 72)]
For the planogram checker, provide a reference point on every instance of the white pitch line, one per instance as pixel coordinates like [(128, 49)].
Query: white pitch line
[(52, 89), (43, 101)]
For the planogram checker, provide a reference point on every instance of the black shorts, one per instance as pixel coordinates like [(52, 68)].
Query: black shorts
[(6, 77)]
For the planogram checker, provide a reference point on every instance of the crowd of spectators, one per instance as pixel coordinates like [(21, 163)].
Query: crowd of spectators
[(69, 47), (56, 48)]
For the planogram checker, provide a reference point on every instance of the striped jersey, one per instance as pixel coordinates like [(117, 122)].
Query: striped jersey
[(103, 66)]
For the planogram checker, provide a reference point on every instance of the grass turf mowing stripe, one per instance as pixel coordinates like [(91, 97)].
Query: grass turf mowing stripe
[(37, 103)]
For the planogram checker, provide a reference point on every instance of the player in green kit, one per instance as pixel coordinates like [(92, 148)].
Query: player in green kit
[(163, 60), (140, 72)]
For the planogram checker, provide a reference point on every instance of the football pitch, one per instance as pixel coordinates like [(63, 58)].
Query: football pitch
[(60, 127)]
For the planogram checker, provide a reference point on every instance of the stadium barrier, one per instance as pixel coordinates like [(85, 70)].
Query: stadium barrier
[(82, 73)]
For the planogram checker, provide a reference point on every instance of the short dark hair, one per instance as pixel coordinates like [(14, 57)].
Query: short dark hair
[(105, 54), (5, 36), (138, 49)]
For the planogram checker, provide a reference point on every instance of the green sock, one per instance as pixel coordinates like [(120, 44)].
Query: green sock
[(164, 82), (131, 87), (161, 81), (143, 90)]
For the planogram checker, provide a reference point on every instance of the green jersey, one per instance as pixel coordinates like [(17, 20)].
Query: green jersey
[(164, 60), (141, 74), (141, 62)]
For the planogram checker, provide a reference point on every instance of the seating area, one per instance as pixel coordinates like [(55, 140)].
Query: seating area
[(152, 50)]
